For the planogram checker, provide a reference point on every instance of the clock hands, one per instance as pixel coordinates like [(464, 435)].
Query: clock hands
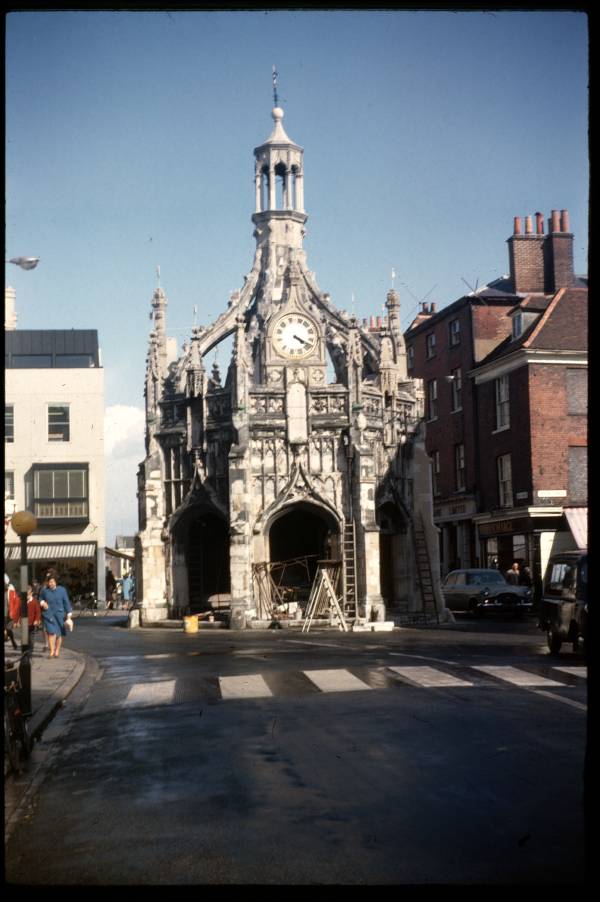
[(301, 340)]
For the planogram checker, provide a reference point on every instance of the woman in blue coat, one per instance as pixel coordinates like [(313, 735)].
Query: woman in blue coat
[(56, 607)]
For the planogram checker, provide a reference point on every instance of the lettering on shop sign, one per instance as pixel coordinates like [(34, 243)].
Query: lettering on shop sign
[(501, 526)]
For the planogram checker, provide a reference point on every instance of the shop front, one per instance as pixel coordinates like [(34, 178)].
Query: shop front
[(75, 563), (527, 540)]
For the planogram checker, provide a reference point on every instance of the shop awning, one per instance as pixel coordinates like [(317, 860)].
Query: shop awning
[(577, 518), (55, 551)]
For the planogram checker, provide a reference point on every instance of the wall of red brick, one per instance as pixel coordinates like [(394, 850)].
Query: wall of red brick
[(553, 429)]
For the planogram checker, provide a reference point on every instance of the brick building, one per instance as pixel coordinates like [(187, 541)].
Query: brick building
[(505, 372)]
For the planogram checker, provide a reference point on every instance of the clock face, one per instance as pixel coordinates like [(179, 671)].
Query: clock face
[(295, 336)]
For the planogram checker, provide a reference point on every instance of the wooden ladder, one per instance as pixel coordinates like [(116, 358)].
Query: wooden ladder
[(424, 574), (349, 569), (323, 600)]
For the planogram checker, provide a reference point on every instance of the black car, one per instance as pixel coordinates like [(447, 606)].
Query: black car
[(564, 605), (479, 591)]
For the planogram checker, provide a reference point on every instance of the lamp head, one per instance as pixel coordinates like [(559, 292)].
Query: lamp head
[(23, 523)]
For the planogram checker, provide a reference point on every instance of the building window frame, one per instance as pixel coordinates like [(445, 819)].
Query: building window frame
[(410, 357), (435, 472), (517, 324), (456, 389), (505, 487), (454, 333), (432, 400), (9, 485), (502, 402), (9, 423), (459, 467), (430, 345), (60, 493), (59, 422)]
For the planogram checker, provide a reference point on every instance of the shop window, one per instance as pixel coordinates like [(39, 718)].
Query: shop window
[(9, 423), (60, 492), (58, 423), (505, 492)]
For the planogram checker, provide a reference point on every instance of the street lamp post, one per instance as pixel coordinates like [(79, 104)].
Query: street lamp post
[(24, 523)]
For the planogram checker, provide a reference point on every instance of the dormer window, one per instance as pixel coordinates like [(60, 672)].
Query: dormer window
[(517, 324)]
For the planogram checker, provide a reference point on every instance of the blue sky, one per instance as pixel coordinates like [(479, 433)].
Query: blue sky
[(130, 139)]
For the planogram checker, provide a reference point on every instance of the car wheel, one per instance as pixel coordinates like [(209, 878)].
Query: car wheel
[(554, 642)]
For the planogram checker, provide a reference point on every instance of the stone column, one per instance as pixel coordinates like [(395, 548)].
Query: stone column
[(257, 181), (272, 187), (299, 192)]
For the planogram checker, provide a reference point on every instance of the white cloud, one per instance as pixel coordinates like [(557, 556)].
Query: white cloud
[(124, 447)]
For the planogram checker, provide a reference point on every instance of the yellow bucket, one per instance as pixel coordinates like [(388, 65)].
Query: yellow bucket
[(190, 624)]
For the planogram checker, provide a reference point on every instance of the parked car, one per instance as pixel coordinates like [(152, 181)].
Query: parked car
[(479, 591), (564, 604)]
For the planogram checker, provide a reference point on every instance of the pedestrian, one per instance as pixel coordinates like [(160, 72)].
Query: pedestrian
[(8, 630), (56, 609), (110, 587), (34, 615), (127, 586), (526, 578), (512, 575)]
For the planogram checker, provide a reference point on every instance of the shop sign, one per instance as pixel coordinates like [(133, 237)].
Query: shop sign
[(503, 527)]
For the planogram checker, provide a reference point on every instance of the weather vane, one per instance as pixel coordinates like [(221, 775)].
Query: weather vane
[(275, 76), (393, 277), (158, 275)]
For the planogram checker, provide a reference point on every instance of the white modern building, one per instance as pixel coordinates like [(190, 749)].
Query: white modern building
[(54, 452)]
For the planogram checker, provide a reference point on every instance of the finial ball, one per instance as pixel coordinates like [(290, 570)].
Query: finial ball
[(277, 113)]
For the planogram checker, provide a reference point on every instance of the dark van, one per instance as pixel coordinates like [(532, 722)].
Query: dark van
[(563, 608)]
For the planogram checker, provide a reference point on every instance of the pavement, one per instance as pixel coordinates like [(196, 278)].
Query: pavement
[(52, 680)]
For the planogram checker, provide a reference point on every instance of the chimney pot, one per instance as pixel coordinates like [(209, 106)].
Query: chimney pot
[(517, 228), (433, 307), (372, 322), (555, 221), (539, 223), (528, 226), (379, 322), (564, 221)]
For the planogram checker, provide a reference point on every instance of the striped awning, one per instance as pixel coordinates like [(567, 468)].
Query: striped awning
[(55, 551), (577, 518)]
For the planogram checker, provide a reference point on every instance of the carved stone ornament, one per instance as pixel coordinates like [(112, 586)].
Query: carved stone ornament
[(317, 376), (275, 376)]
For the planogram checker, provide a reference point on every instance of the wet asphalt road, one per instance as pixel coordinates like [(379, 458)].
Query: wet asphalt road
[(166, 772)]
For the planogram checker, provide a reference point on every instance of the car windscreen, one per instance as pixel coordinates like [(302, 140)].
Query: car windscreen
[(485, 578)]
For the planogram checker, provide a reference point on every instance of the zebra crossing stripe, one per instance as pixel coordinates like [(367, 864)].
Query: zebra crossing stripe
[(160, 693), (335, 680), (574, 671), (516, 677), (247, 686), (429, 677)]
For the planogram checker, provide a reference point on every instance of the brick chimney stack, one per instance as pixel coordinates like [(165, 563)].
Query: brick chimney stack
[(541, 263), (559, 253), (526, 258)]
